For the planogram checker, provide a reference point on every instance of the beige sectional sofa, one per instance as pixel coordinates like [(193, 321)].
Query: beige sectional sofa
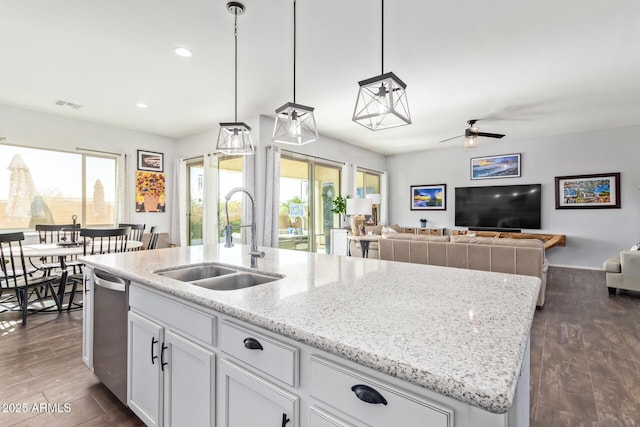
[(516, 256)]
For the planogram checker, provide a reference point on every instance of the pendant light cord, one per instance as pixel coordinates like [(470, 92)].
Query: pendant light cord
[(235, 34), (294, 51), (382, 39)]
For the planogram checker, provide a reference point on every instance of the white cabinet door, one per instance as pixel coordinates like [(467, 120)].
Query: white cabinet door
[(189, 383), (252, 401), (87, 315), (144, 375)]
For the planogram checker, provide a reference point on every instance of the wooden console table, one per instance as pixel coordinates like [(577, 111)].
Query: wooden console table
[(549, 240)]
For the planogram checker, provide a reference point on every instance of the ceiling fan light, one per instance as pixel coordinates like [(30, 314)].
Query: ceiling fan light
[(234, 139), (470, 141), (295, 124), (382, 103)]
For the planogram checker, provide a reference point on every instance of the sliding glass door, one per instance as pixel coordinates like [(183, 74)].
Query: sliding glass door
[(307, 189)]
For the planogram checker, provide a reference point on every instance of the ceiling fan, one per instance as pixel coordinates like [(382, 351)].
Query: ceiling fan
[(472, 133)]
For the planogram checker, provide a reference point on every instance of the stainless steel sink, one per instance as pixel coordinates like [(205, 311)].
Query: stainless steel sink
[(198, 272), (239, 280), (217, 277)]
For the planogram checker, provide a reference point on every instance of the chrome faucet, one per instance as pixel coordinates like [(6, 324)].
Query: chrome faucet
[(255, 254)]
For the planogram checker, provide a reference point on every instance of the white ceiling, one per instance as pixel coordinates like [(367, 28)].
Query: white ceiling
[(530, 68)]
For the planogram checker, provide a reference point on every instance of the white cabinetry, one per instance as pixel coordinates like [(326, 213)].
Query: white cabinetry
[(171, 377), (144, 369), (267, 380), (250, 400), (87, 315), (370, 400)]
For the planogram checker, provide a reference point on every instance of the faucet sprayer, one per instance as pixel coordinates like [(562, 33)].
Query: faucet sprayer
[(255, 254)]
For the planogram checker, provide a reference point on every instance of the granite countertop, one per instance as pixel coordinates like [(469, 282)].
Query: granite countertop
[(461, 333)]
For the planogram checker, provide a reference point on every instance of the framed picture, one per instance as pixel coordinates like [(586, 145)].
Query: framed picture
[(505, 166), (150, 161), (429, 197), (595, 191), (150, 192)]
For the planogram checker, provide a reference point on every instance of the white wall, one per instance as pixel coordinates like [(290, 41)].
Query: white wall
[(593, 235), (40, 130)]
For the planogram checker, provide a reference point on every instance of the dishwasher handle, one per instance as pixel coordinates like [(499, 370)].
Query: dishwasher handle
[(110, 282)]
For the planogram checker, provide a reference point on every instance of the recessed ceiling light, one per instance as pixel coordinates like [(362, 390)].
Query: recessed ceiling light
[(183, 51), (141, 105)]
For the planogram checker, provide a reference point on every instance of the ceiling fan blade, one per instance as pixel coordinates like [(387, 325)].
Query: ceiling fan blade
[(449, 139), (491, 135)]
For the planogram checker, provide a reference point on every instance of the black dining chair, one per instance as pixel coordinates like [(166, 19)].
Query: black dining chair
[(98, 241), (137, 231), (153, 238), (62, 234), (16, 277)]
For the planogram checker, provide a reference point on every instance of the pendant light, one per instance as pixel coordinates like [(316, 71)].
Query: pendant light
[(235, 137), (382, 100), (295, 123)]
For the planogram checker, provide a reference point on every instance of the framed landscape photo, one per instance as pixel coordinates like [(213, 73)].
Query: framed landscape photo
[(504, 166), (595, 191), (150, 161), (429, 197)]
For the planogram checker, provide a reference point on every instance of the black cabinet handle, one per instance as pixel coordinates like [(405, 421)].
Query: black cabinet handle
[(368, 394), (252, 344), (162, 362), (285, 420), (154, 341)]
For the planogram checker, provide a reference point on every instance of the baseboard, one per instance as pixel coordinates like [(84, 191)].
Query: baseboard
[(577, 267)]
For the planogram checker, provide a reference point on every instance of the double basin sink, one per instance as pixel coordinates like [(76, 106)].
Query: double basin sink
[(218, 277)]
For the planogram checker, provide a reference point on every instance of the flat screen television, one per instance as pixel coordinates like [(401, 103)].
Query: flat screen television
[(501, 207)]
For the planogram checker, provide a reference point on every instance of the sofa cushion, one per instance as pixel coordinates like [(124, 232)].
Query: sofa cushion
[(473, 239), (411, 236), (612, 265)]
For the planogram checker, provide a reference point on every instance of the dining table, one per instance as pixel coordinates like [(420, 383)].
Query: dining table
[(63, 250)]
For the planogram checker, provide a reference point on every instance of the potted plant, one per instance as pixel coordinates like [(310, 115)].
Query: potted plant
[(423, 222), (340, 207)]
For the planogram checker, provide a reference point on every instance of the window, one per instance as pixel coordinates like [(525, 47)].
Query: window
[(39, 186), (368, 182), (229, 177)]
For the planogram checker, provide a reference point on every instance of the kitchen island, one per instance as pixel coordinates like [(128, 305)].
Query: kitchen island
[(455, 338)]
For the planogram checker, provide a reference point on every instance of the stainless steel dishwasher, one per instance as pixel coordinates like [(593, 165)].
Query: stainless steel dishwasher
[(111, 304)]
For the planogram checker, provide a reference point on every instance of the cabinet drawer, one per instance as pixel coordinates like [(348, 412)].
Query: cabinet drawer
[(275, 359), (186, 320), (319, 418), (332, 384)]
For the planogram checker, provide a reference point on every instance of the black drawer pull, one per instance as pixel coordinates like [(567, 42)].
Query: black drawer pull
[(162, 362), (368, 394), (154, 341), (252, 344)]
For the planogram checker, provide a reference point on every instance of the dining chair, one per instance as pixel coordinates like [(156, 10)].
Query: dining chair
[(98, 241), (16, 277), (137, 231), (57, 233), (153, 238)]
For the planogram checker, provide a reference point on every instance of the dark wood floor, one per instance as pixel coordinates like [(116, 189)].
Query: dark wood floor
[(585, 363), (585, 354)]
